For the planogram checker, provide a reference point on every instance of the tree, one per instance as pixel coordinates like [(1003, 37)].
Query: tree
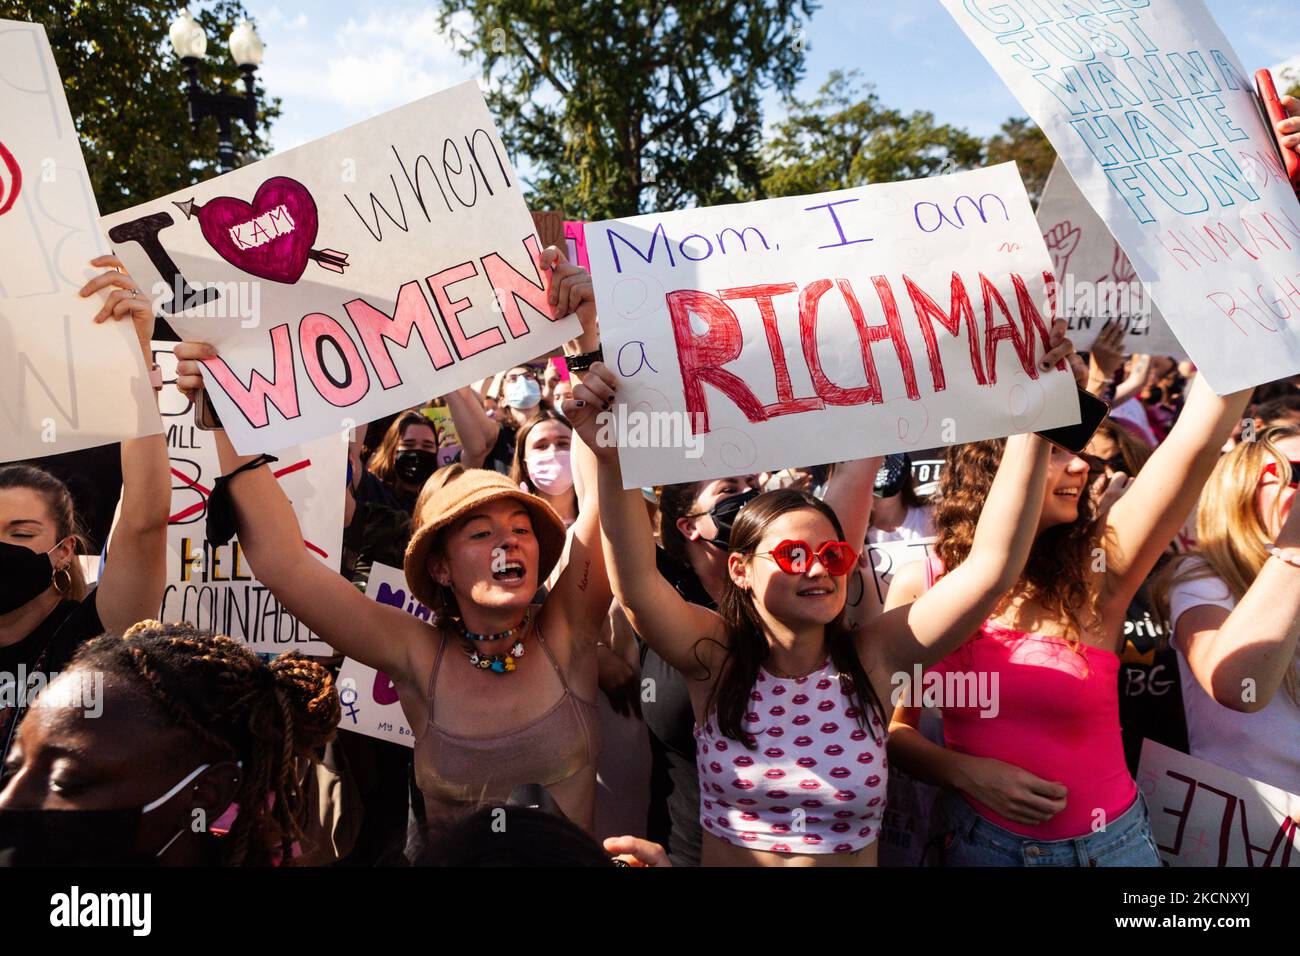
[(636, 105), (125, 89), (844, 137), (1022, 142)]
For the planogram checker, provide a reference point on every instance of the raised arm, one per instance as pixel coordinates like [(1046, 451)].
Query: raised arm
[(372, 633), (1142, 523), (849, 495), (135, 571), (476, 431), (582, 590), (664, 619), (1242, 657), (948, 613)]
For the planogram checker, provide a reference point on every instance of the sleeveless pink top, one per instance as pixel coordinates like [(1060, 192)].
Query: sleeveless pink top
[(816, 782), (1055, 713)]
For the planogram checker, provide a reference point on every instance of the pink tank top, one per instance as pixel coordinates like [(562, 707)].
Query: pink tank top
[(1056, 714), (815, 783)]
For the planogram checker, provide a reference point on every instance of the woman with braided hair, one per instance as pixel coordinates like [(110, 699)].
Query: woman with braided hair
[(188, 723)]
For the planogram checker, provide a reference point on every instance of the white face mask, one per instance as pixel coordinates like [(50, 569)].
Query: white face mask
[(171, 793), (550, 470), (167, 796)]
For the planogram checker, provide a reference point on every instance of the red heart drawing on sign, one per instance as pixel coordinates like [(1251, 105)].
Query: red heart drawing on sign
[(383, 690), (271, 237), (13, 180)]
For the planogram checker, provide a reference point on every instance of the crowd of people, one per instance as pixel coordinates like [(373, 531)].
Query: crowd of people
[(695, 674)]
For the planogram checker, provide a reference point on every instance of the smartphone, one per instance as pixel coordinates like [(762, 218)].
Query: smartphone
[(205, 416), (1274, 110), (1074, 438)]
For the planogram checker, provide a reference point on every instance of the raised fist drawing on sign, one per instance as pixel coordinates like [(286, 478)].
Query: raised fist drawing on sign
[(1062, 239)]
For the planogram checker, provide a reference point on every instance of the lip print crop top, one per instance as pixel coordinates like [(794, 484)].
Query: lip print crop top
[(815, 784)]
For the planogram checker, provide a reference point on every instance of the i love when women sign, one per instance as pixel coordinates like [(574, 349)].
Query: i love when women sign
[(354, 276)]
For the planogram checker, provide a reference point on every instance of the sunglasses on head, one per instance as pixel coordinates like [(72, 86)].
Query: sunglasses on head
[(1271, 469), (796, 557)]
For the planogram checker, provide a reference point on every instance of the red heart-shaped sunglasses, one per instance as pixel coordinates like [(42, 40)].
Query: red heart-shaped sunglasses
[(796, 557)]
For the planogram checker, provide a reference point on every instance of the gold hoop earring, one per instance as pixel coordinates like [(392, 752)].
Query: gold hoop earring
[(67, 577)]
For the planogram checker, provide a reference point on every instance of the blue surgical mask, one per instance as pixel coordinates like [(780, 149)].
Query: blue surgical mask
[(523, 393)]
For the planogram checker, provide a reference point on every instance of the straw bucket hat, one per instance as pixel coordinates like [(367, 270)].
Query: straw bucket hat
[(453, 492)]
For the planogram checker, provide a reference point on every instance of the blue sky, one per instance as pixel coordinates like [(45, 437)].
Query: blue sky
[(336, 62)]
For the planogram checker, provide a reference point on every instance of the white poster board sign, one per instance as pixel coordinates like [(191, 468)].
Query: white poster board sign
[(367, 696), (1097, 279), (886, 557), (1203, 815), (352, 277), (214, 588), (808, 329), (65, 383), (1157, 121)]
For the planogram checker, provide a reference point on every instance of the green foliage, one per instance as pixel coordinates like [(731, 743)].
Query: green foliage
[(125, 88), (1027, 145), (636, 105), (844, 137)]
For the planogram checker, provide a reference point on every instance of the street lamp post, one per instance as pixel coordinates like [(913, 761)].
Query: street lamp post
[(190, 44)]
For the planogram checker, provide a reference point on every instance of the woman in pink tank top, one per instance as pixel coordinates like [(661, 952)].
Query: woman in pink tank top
[(787, 698), (1034, 759)]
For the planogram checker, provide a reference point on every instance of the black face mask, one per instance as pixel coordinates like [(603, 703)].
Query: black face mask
[(24, 573), (892, 476), (724, 514), (71, 838), (414, 467)]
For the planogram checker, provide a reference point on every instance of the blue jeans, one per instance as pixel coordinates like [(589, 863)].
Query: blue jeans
[(970, 840)]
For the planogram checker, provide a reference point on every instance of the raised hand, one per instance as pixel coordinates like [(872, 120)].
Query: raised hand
[(1062, 350), (189, 367), (125, 300), (1289, 128), (1107, 353), (593, 396), (569, 290)]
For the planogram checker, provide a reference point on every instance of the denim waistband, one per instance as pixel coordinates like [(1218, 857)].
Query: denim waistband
[(1130, 826)]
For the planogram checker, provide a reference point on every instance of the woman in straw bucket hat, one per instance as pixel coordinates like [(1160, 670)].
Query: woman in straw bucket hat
[(500, 691)]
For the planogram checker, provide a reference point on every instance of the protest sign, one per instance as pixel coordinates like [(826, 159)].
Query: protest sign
[(577, 241), (549, 226), (65, 383), (1096, 278), (369, 702), (352, 277), (886, 557), (214, 588), (1203, 815), (1157, 122), (809, 329)]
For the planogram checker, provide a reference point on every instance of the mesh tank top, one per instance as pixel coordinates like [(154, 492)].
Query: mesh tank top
[(454, 768)]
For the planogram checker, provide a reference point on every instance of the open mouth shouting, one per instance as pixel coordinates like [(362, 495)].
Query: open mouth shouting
[(509, 572)]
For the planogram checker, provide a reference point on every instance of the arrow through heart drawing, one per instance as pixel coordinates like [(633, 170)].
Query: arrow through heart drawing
[(272, 236)]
